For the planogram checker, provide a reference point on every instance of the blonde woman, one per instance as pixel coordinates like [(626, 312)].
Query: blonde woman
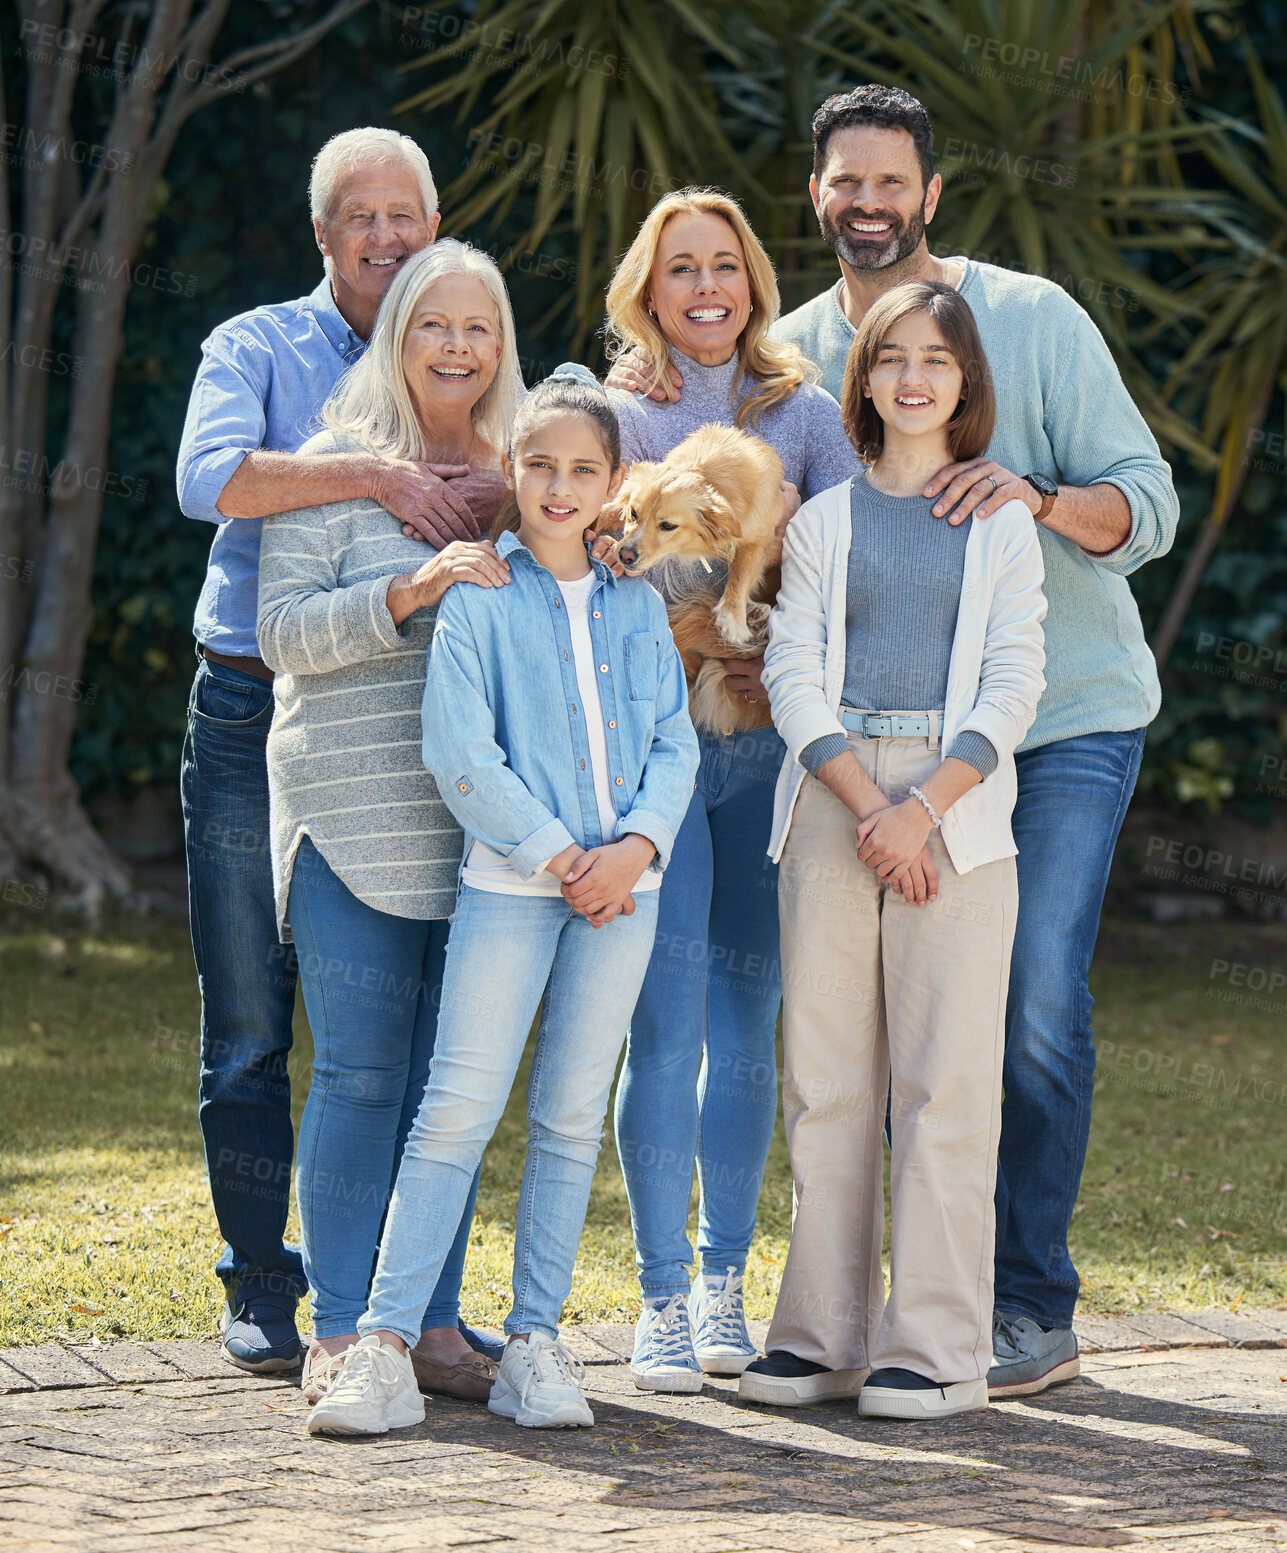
[(365, 854), (697, 291)]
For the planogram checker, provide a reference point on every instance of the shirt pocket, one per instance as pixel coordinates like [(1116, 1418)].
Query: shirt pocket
[(641, 665)]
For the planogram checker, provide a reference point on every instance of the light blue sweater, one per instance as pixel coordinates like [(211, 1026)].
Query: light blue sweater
[(1062, 411)]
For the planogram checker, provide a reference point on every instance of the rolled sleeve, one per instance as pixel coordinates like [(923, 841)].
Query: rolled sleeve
[(225, 420), (975, 750), (814, 756)]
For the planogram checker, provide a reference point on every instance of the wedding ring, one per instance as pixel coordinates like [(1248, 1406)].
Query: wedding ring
[(993, 479)]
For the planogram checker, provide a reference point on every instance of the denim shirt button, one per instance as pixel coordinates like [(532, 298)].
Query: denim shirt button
[(603, 668), (621, 781), (596, 614), (612, 722)]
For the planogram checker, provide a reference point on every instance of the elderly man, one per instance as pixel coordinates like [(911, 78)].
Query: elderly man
[(263, 378), (1070, 444)]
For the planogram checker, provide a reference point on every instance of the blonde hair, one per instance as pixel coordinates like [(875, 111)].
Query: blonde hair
[(372, 402), (970, 429), (775, 367)]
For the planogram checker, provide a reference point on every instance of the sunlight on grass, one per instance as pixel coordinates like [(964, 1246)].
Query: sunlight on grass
[(105, 1219)]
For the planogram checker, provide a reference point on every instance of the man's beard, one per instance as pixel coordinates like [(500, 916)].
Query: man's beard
[(899, 243)]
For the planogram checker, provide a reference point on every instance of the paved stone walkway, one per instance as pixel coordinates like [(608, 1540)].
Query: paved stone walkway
[(1162, 1444)]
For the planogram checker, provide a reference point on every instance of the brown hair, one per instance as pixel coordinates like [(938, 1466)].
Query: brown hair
[(776, 367), (970, 429), (570, 389)]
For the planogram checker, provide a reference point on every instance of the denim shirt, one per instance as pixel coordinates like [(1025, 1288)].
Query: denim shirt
[(263, 379), (504, 730)]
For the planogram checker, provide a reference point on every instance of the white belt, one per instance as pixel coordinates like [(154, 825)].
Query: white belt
[(893, 725)]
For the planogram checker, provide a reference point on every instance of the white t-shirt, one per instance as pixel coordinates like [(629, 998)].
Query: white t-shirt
[(488, 870)]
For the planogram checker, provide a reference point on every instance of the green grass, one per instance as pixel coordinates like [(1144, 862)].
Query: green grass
[(106, 1227)]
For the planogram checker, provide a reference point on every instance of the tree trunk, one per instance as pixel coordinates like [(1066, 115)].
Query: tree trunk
[(47, 547)]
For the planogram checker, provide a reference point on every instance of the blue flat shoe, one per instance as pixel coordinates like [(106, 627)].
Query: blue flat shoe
[(258, 1334)]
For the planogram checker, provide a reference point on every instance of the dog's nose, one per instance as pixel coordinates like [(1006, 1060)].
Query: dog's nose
[(628, 555)]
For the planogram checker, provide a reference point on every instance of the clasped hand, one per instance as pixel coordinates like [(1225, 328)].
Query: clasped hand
[(892, 843), (597, 881)]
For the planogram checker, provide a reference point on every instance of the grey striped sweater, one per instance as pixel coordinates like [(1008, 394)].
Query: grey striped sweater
[(344, 762)]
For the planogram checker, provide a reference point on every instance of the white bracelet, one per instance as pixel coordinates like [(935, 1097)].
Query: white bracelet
[(915, 792)]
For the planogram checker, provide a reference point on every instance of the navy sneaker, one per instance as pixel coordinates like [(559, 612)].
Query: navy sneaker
[(895, 1393), (782, 1380), (258, 1334), (491, 1347)]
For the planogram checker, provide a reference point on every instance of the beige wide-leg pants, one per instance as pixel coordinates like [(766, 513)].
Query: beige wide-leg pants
[(872, 985)]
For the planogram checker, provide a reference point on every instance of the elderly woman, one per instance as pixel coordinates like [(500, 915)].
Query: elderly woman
[(365, 854), (697, 291)]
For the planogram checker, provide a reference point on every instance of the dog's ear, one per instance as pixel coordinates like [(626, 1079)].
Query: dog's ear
[(612, 518), (719, 522)]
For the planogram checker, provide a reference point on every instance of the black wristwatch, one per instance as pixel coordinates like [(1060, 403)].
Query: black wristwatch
[(1047, 490)]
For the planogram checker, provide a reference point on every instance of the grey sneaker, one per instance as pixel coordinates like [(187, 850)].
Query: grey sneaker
[(1026, 1358)]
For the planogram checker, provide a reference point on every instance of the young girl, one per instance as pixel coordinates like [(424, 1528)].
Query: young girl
[(556, 727), (904, 665)]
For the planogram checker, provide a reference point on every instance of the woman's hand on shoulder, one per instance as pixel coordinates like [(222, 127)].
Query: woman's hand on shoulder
[(603, 547), (631, 375), (476, 562)]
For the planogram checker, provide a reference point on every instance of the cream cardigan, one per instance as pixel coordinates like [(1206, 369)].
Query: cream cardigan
[(994, 677)]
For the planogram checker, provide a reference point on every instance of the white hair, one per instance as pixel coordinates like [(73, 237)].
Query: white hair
[(368, 147), (372, 402)]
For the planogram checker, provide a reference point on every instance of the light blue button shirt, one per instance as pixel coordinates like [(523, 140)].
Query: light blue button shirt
[(504, 726), (263, 379)]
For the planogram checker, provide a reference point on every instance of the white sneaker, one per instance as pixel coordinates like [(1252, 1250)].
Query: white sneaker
[(538, 1385), (720, 1340), (374, 1391), (663, 1358), (897, 1393)]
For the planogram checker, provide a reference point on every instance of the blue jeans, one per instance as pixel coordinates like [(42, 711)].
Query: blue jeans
[(246, 977), (700, 1075), (372, 984), (504, 954), (1073, 796)]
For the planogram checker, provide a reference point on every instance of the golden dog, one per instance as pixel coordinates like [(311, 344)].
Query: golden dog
[(717, 496)]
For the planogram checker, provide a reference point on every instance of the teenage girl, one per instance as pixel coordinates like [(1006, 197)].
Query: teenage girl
[(556, 727), (904, 665)]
